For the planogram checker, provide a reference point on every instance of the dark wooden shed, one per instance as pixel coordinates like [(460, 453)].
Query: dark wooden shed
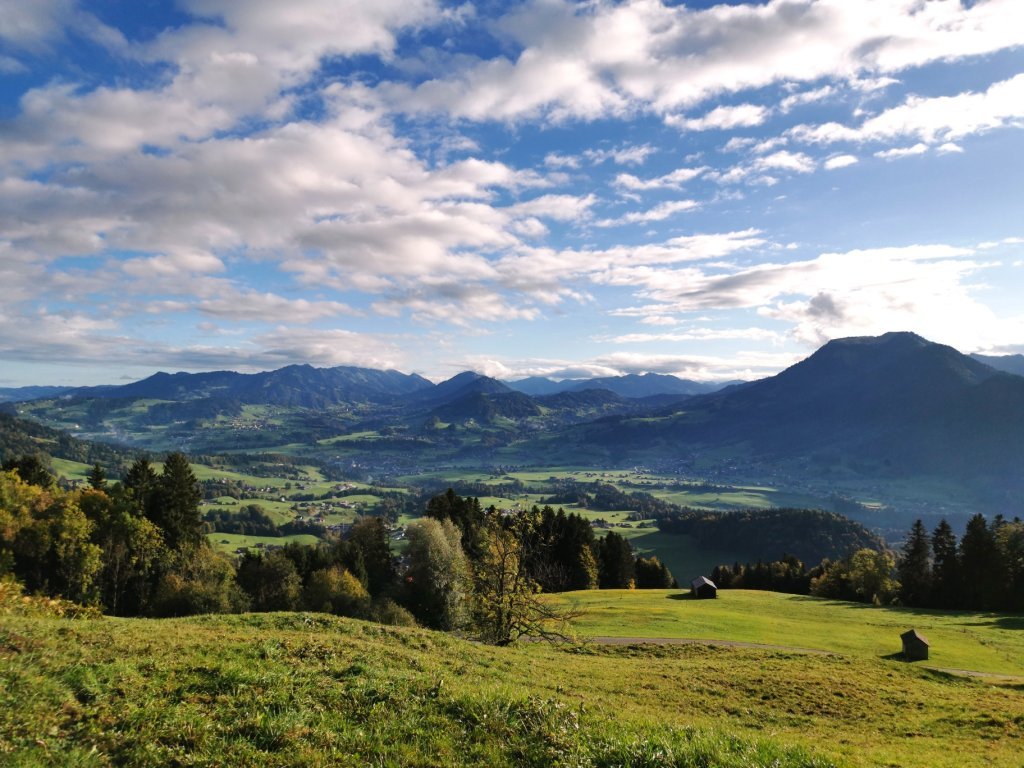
[(703, 588), (915, 645)]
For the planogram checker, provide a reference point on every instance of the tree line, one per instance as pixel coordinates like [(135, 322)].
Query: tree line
[(981, 571), (808, 534), (138, 548)]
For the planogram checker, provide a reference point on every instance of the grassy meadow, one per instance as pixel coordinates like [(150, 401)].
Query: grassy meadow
[(312, 690), (981, 642), (229, 542)]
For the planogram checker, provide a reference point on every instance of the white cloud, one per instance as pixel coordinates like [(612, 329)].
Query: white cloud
[(699, 334), (742, 365), (659, 212), (557, 207), (627, 154), (36, 26), (674, 180), (270, 308), (605, 59), (546, 269), (932, 121), (806, 97), (862, 292), (722, 118), (897, 152), (840, 161), (797, 162)]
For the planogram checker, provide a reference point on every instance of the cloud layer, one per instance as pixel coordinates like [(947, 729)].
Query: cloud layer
[(254, 184)]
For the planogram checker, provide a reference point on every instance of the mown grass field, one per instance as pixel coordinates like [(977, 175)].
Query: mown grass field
[(229, 542), (312, 690), (983, 642)]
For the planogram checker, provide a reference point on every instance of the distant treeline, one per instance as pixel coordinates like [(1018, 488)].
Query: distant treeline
[(606, 497), (252, 520), (21, 437), (982, 571), (138, 548), (808, 534), (559, 551)]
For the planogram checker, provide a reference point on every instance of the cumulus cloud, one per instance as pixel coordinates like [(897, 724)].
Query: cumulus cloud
[(698, 334), (659, 212), (244, 168), (932, 121), (860, 292), (674, 180), (37, 26), (897, 152), (743, 365), (722, 118), (840, 161), (604, 59)]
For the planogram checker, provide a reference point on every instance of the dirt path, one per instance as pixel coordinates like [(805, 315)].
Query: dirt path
[(600, 640), (603, 640), (992, 676)]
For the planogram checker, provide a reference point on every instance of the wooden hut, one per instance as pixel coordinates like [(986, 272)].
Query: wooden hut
[(915, 645), (703, 588)]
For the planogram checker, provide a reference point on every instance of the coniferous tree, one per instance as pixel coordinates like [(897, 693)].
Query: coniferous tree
[(651, 573), (914, 569), (139, 484), (369, 536), (97, 478), (979, 566), (31, 469), (945, 567), (271, 581), (1010, 541), (466, 513), (615, 562), (175, 503)]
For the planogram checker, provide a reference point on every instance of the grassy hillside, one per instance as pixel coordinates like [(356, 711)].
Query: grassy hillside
[(982, 642), (304, 689)]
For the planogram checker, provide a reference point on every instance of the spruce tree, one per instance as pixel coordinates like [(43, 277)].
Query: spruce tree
[(97, 477), (914, 569), (979, 565), (945, 568), (175, 506)]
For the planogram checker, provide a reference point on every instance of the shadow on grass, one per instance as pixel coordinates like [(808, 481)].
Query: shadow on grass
[(898, 656), (681, 596), (1010, 622)]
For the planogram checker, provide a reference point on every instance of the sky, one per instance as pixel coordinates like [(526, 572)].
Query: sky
[(551, 188)]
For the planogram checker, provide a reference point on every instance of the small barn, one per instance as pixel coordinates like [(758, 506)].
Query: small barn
[(915, 645), (703, 588)]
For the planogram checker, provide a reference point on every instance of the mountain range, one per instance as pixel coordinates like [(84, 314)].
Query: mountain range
[(895, 405), (890, 406), (630, 385)]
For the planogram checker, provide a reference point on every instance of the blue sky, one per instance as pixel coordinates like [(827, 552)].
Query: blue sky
[(543, 188)]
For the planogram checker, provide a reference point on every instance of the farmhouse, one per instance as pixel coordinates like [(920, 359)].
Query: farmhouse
[(703, 588), (915, 645)]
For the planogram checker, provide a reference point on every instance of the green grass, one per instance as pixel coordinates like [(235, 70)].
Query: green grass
[(71, 470), (229, 542), (304, 689), (983, 642)]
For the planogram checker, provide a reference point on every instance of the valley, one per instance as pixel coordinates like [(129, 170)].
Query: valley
[(833, 432)]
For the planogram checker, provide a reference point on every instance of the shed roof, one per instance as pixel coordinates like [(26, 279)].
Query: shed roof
[(913, 634), (701, 581)]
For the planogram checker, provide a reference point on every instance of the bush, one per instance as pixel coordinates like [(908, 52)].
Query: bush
[(335, 590)]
